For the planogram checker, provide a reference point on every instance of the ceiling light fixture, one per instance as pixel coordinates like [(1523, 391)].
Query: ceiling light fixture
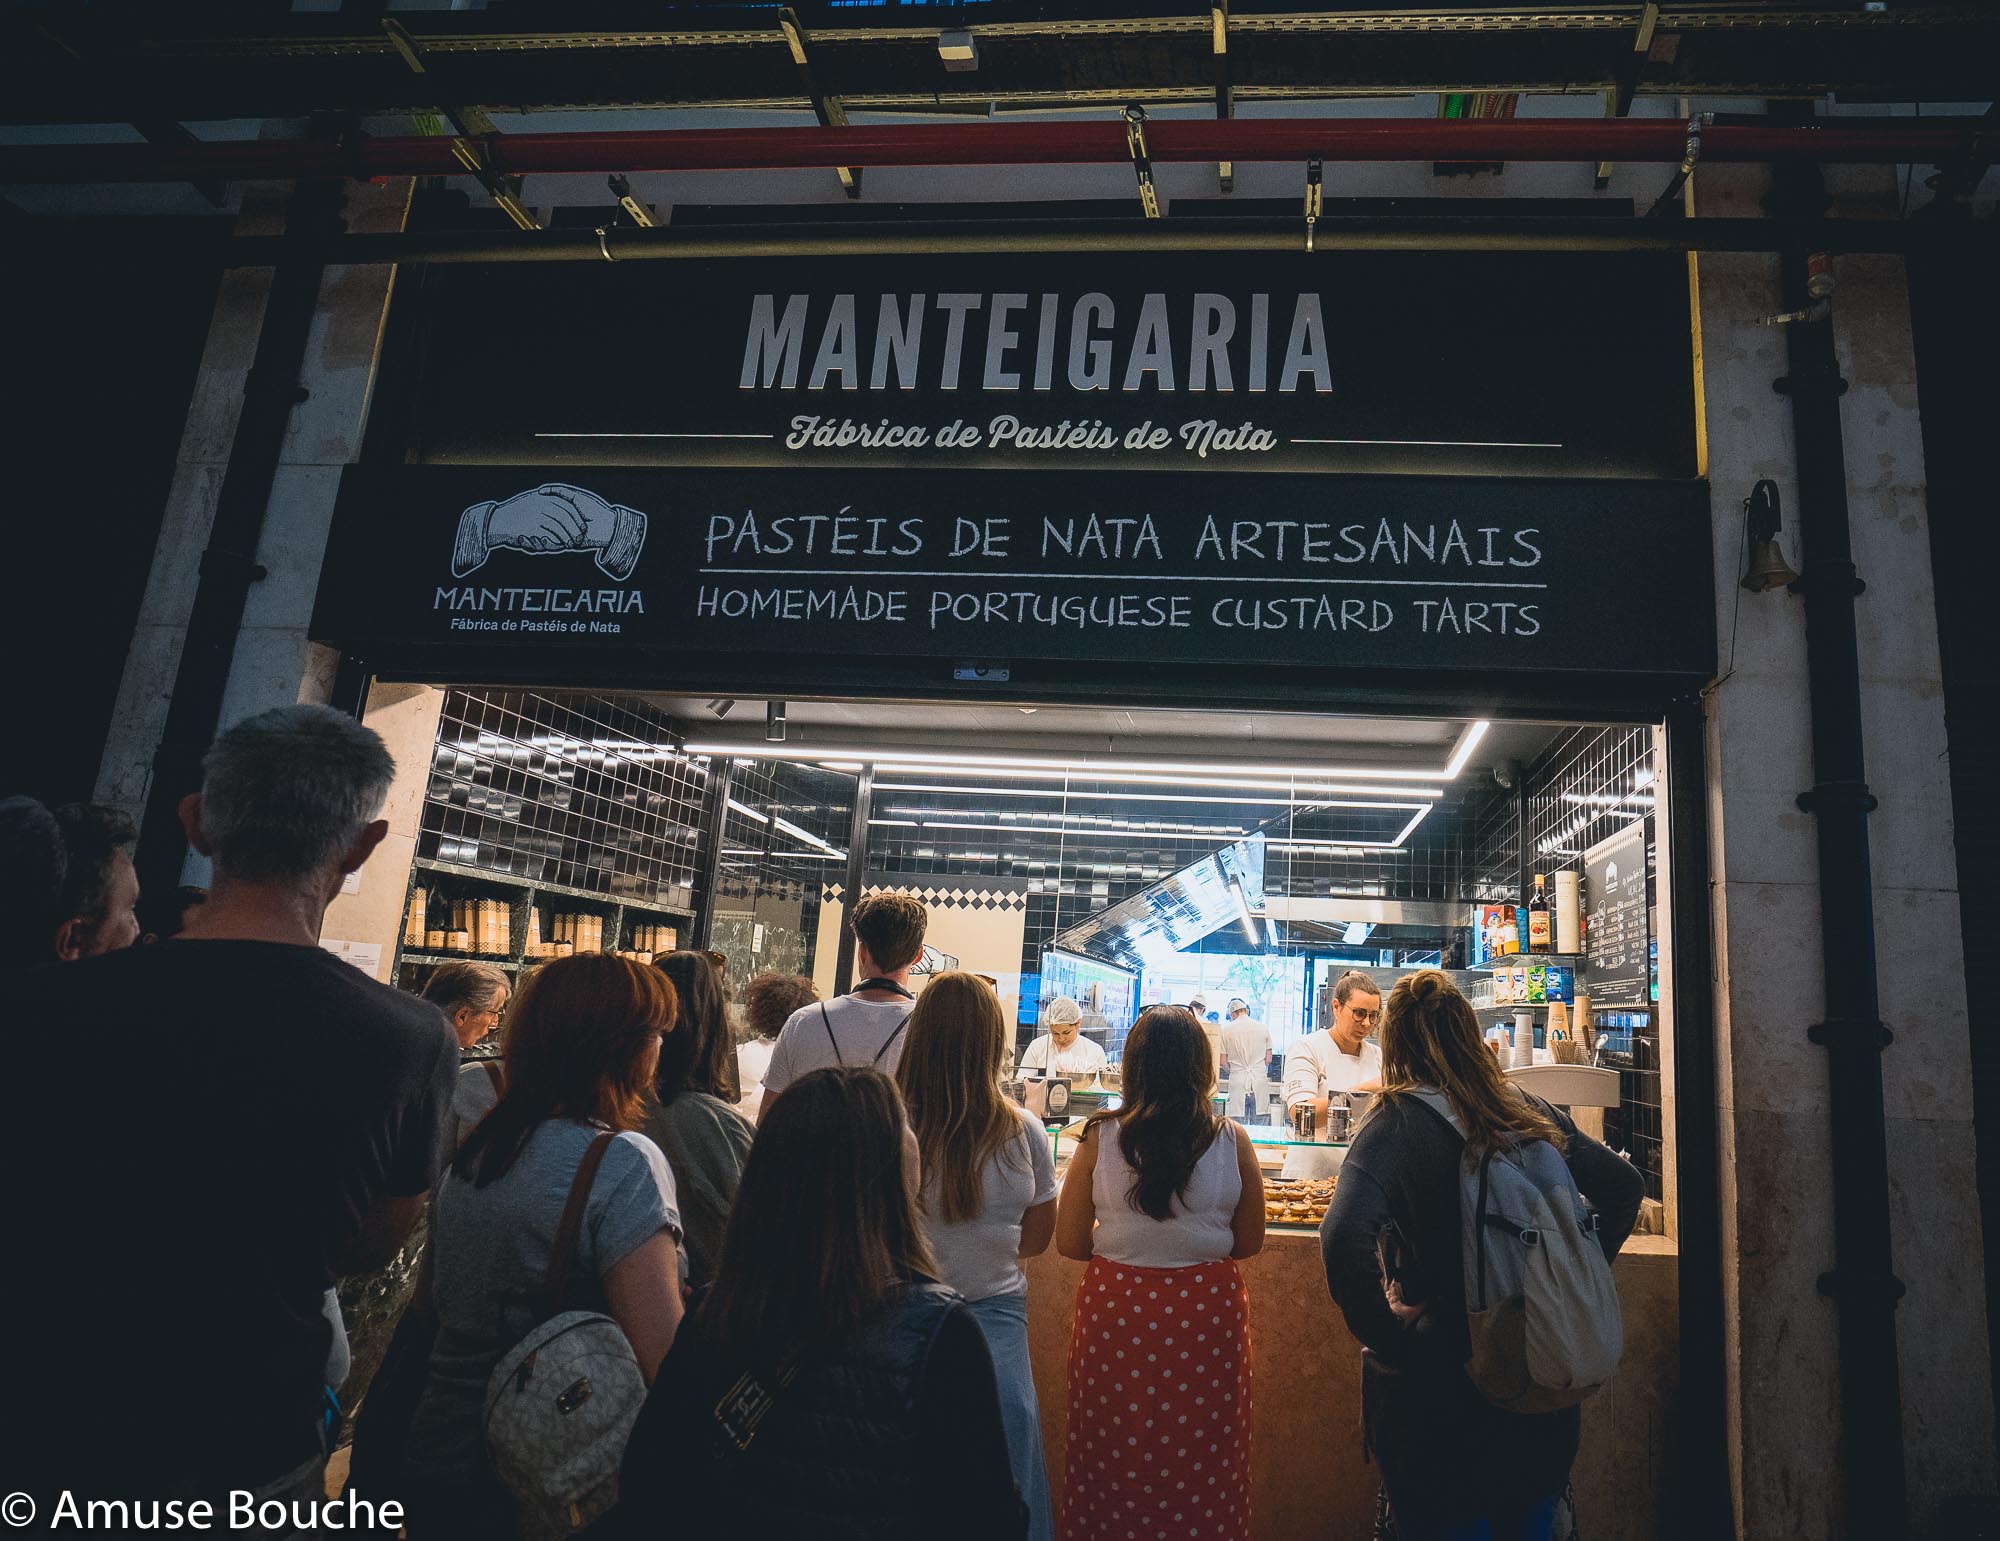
[(1337, 848), (1299, 792), (786, 826), (1122, 834), (1232, 800), (1467, 742), (1102, 768), (1243, 912)]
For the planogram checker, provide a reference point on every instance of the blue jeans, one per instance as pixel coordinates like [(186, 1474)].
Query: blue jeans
[(1534, 1522), (1004, 1321)]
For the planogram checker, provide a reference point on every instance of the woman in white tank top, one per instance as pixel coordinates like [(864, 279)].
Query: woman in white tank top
[(1160, 1198)]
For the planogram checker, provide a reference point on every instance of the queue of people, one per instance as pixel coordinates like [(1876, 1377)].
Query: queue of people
[(636, 1314)]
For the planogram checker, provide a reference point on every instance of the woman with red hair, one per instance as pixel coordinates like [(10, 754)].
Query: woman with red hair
[(582, 1046)]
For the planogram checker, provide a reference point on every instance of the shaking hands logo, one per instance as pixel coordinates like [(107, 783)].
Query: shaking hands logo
[(554, 517)]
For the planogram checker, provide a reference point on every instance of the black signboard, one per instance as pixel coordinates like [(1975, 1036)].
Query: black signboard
[(1394, 363), (552, 568), (1617, 898)]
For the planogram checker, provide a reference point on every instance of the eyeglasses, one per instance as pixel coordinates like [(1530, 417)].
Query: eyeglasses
[(1360, 1015)]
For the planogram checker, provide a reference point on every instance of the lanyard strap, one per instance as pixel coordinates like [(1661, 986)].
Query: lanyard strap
[(887, 1043)]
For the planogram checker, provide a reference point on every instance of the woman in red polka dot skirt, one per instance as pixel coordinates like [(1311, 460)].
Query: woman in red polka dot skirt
[(1160, 1197)]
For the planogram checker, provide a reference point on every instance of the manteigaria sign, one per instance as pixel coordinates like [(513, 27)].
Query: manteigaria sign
[(1408, 462), (1356, 362)]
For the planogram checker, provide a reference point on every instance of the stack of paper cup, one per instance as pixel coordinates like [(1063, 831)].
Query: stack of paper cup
[(1569, 913), (1524, 1038)]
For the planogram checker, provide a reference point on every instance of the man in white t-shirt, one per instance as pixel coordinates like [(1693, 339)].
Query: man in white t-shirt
[(1338, 1058), (1246, 1054), (865, 1026), (1063, 1050)]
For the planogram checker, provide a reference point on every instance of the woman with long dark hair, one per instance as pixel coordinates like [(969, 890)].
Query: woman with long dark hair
[(989, 1194), (692, 1116), (582, 1043), (827, 1385), (1452, 1463), (1161, 1196)]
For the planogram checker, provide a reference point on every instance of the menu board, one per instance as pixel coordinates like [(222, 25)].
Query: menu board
[(1617, 897), (466, 572)]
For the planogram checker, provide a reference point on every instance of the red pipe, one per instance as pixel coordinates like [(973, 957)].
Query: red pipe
[(1000, 144)]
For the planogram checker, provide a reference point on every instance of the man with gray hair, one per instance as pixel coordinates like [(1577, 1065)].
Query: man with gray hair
[(220, 1126)]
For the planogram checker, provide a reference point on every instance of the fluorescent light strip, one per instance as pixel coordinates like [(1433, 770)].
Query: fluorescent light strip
[(786, 826), (1415, 819), (1243, 911), (1467, 742), (1128, 797), (1313, 792), (1049, 822), (1336, 848), (1122, 834), (1101, 769)]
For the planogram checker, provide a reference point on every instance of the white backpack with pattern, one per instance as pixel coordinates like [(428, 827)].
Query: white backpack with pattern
[(561, 1403)]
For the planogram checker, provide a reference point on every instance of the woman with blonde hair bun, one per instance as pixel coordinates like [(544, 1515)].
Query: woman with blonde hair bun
[(989, 1194), (1453, 1464)]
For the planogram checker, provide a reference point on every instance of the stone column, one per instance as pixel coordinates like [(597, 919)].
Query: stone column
[(407, 718), (1782, 1360), (274, 663)]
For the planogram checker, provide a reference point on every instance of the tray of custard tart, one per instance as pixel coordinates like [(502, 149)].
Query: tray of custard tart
[(1297, 1200)]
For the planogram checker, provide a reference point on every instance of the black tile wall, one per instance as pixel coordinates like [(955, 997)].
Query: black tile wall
[(578, 790), (767, 914), (1588, 784)]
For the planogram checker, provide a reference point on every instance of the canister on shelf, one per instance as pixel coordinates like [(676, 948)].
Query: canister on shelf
[(1569, 913)]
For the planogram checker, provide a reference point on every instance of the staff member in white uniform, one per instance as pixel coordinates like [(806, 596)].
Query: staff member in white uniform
[(1063, 1050), (1246, 1055), (1338, 1058)]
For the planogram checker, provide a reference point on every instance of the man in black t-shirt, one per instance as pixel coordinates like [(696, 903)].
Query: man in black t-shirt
[(203, 1135)]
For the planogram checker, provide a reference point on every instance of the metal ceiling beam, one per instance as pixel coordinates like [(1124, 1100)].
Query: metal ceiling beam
[(622, 56), (826, 108), (1618, 100), (473, 131), (1225, 105), (1933, 141), (933, 238)]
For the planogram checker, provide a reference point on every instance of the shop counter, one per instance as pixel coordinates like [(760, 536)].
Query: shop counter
[(1309, 1477)]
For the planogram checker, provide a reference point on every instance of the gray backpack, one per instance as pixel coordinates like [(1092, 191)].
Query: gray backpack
[(1539, 1299), (561, 1403)]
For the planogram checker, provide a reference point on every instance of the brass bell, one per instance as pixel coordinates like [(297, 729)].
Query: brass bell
[(1768, 567)]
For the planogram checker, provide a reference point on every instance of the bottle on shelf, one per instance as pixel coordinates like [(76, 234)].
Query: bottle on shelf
[(1541, 923), (1510, 933), (414, 926)]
